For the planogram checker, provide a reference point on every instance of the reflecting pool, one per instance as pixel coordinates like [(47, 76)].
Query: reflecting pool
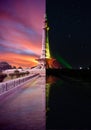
[(68, 104)]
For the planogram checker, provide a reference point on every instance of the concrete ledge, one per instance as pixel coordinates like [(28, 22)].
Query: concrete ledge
[(14, 89)]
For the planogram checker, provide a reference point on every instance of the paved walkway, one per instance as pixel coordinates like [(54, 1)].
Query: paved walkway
[(24, 109)]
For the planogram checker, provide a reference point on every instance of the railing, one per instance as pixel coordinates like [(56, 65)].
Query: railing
[(5, 86)]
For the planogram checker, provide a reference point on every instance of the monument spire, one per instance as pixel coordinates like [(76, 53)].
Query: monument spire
[(43, 51), (45, 60), (42, 59)]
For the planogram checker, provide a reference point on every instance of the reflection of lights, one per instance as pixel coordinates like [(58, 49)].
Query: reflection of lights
[(47, 96), (80, 67), (51, 79), (88, 68)]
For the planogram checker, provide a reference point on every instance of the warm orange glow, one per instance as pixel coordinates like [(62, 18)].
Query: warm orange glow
[(51, 79), (19, 60), (52, 63), (21, 32)]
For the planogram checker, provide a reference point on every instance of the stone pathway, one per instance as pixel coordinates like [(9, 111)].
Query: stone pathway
[(25, 109)]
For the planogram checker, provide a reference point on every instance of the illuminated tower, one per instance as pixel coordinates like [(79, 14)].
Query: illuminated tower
[(48, 55), (51, 62), (42, 59), (45, 60)]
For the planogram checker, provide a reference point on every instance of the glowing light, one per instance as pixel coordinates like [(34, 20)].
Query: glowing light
[(51, 62), (48, 55), (63, 62), (80, 67)]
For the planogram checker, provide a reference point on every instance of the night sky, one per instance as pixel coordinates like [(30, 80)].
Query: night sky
[(70, 30)]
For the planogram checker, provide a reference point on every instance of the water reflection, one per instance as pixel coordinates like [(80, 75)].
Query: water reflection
[(68, 104), (51, 79)]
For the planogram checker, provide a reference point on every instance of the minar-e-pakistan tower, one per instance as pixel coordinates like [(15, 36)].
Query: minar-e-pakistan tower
[(46, 61)]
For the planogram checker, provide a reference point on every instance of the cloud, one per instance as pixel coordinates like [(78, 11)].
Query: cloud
[(18, 59), (21, 30)]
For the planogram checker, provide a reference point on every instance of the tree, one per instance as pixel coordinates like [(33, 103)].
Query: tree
[(27, 72), (17, 73), (2, 77), (19, 67), (14, 67), (4, 66), (11, 75)]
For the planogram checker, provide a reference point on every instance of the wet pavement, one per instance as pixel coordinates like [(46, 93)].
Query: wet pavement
[(24, 109)]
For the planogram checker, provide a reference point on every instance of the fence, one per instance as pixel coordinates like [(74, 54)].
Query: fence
[(5, 86)]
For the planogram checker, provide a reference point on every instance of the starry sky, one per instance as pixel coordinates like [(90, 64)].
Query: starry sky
[(21, 23), (70, 30)]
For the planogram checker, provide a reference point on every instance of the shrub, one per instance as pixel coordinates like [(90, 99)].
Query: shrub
[(11, 75), (2, 77), (17, 73)]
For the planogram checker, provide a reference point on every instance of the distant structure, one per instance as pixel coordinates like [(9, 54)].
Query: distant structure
[(4, 66), (45, 60)]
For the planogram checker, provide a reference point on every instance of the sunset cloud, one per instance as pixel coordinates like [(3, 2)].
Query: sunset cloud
[(21, 31)]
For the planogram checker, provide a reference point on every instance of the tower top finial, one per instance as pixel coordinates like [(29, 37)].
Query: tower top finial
[(46, 23)]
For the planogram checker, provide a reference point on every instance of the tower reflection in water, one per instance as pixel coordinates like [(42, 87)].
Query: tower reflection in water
[(68, 104), (53, 90), (50, 82)]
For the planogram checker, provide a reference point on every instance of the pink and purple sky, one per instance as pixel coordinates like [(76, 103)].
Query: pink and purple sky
[(21, 23)]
